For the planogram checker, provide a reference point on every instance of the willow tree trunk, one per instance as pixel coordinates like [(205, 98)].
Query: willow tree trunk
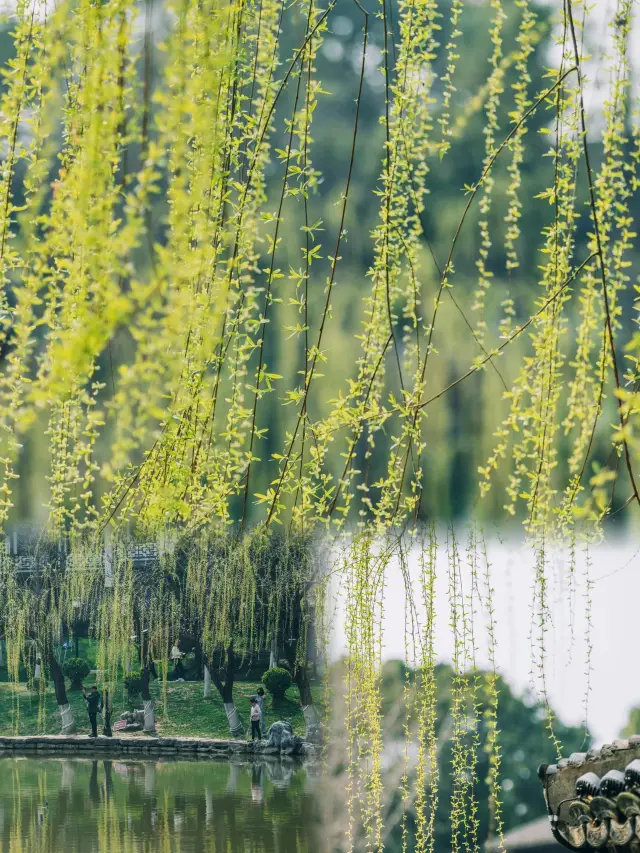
[(208, 806), (68, 775), (147, 703), (108, 780), (234, 778), (311, 717), (66, 714), (198, 658), (226, 693), (273, 654), (236, 726), (149, 725), (149, 778), (207, 682)]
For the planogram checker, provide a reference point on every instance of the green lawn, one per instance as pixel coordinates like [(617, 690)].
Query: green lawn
[(187, 712)]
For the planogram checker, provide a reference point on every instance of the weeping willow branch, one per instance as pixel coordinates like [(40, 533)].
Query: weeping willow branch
[(601, 261)]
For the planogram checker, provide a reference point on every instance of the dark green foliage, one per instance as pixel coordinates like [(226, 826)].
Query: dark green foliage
[(133, 683), (524, 745), (76, 670), (277, 681)]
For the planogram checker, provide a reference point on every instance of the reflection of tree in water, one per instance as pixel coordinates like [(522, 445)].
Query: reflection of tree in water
[(94, 787), (100, 805), (257, 783)]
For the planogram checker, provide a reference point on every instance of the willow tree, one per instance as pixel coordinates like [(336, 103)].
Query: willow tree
[(35, 605), (290, 589), (241, 594)]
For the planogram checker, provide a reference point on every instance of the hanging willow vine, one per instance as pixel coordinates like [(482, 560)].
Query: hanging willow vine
[(145, 331), (158, 168)]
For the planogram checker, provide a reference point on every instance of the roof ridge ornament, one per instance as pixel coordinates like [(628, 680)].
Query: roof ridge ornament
[(593, 798)]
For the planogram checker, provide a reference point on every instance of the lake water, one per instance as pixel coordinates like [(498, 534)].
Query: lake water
[(104, 806)]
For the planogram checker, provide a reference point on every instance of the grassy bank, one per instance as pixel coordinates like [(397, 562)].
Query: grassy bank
[(187, 712)]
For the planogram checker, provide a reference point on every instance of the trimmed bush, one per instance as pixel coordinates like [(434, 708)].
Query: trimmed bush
[(133, 683), (76, 670), (276, 681)]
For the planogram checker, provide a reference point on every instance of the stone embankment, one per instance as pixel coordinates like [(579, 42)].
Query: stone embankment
[(140, 746)]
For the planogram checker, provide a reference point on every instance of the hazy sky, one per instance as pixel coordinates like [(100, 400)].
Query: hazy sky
[(615, 627), (598, 39)]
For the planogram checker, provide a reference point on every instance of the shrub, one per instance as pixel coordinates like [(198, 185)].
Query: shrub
[(133, 683), (76, 670), (277, 680)]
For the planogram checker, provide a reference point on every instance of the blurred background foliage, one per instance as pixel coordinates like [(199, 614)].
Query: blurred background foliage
[(459, 428), (524, 745)]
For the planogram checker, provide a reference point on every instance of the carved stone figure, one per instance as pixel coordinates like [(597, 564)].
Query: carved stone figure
[(593, 798)]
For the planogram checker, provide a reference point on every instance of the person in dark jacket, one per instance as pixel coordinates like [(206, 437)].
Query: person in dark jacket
[(94, 707)]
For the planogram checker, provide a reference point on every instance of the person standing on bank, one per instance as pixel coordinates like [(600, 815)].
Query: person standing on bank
[(176, 656), (255, 720), (260, 699), (94, 707)]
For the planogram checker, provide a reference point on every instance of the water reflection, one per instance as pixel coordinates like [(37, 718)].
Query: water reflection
[(95, 806)]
